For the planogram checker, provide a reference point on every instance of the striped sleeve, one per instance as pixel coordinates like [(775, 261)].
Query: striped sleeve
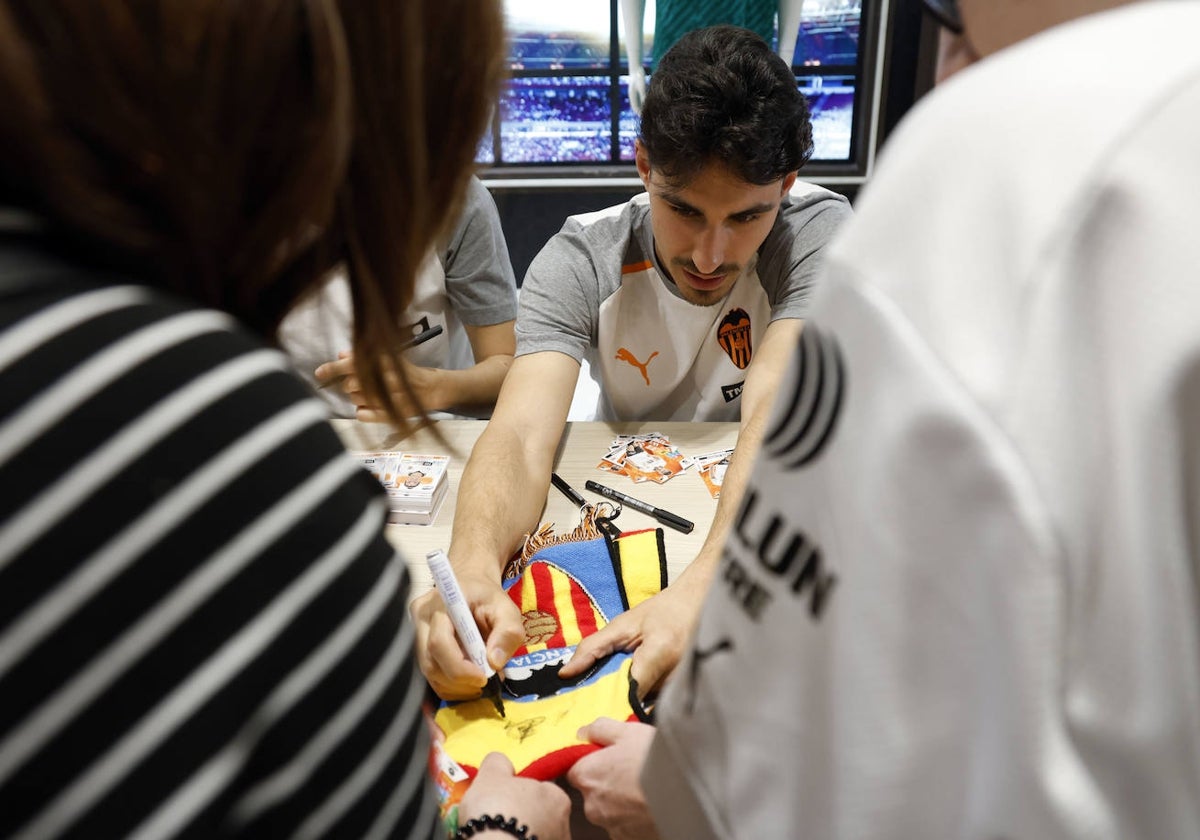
[(203, 632)]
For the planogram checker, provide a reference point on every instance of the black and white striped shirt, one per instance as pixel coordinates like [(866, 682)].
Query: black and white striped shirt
[(203, 632)]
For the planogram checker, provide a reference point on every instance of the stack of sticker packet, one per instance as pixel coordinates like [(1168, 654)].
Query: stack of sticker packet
[(416, 484), (567, 587)]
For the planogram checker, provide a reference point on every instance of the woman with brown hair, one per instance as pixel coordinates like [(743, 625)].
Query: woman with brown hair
[(203, 632)]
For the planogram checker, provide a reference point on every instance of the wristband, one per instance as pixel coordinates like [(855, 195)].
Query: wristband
[(495, 821)]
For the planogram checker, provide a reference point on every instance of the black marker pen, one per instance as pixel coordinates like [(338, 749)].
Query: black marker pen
[(567, 490), (663, 516), (421, 338)]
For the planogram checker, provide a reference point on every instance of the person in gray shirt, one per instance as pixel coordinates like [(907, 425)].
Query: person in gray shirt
[(466, 286), (687, 300)]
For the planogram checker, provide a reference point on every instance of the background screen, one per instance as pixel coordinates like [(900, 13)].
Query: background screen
[(567, 100)]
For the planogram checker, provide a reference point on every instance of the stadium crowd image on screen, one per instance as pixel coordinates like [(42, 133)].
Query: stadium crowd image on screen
[(567, 101)]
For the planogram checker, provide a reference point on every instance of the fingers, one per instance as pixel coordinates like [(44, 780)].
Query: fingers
[(651, 665), (342, 367), (440, 656), (603, 731), (579, 775), (457, 677), (495, 764), (604, 642), (420, 609), (506, 630), (370, 415)]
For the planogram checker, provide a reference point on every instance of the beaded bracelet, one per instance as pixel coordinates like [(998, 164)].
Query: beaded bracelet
[(496, 821)]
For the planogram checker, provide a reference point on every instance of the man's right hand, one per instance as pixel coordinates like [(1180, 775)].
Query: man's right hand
[(500, 498), (441, 657)]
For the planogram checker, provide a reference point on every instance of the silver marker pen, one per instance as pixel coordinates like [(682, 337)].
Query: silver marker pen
[(464, 623)]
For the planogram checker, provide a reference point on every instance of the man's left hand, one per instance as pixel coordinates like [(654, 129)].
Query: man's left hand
[(656, 630)]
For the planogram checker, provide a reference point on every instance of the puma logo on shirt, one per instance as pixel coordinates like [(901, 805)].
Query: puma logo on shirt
[(625, 356), (698, 658)]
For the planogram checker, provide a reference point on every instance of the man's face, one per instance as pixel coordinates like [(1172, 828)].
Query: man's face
[(707, 231)]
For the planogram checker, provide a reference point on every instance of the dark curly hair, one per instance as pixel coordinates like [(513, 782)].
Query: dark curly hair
[(721, 94)]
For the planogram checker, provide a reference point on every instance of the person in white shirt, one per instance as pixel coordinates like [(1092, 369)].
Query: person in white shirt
[(961, 597)]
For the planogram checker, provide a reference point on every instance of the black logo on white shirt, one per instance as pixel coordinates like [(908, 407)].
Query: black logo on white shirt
[(806, 416), (732, 392)]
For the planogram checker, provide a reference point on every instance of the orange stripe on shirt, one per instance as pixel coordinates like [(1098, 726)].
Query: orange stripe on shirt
[(642, 266)]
